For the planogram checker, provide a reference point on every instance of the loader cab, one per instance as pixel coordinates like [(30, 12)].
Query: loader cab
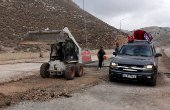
[(69, 51), (64, 51), (56, 52)]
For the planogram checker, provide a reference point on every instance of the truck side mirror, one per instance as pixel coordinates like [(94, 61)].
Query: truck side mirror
[(114, 53), (158, 55)]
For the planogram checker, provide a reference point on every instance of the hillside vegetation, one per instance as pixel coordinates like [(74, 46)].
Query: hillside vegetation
[(20, 16)]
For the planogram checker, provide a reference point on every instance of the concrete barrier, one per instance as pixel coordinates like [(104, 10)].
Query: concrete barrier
[(45, 54), (90, 56), (86, 57), (18, 56), (167, 52), (163, 48), (158, 49)]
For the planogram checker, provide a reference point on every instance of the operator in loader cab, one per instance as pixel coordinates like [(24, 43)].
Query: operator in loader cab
[(100, 55)]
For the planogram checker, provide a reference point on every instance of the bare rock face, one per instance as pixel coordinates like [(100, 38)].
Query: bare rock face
[(20, 16)]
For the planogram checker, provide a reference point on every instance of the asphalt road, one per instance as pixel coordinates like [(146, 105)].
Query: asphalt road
[(106, 63)]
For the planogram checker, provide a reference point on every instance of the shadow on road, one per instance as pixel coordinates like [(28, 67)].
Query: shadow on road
[(161, 81)]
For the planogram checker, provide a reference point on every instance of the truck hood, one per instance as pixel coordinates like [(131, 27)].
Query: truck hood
[(133, 60)]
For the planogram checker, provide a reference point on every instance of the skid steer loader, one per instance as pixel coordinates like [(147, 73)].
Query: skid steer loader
[(65, 56)]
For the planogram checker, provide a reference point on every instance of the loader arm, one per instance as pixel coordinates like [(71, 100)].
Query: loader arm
[(66, 30)]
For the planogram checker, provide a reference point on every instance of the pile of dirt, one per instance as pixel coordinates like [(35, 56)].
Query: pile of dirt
[(4, 100), (18, 17)]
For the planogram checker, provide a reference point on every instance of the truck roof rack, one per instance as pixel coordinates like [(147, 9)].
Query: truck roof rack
[(140, 41)]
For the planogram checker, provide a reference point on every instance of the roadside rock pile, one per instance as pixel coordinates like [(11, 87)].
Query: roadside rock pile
[(18, 17), (5, 100)]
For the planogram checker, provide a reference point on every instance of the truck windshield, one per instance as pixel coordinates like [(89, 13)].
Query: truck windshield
[(136, 50)]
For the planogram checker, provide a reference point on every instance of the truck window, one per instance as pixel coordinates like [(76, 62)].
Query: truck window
[(136, 50)]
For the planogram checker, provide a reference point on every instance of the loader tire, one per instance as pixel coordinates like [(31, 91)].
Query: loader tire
[(44, 70), (70, 72), (79, 70)]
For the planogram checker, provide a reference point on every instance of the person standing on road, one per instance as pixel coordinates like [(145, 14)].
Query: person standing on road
[(117, 48), (100, 55)]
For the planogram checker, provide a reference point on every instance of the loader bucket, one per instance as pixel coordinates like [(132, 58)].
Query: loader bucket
[(44, 37)]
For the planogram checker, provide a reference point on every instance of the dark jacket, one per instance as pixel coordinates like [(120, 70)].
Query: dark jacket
[(101, 54), (117, 49)]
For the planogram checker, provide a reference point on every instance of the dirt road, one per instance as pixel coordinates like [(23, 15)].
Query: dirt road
[(106, 95), (39, 89)]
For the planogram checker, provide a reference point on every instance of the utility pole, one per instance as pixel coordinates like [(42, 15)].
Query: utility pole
[(120, 30), (111, 38), (85, 27)]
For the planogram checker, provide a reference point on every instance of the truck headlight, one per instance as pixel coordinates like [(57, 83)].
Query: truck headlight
[(148, 66), (113, 65)]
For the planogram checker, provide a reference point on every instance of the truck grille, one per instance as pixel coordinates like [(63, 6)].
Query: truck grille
[(131, 68)]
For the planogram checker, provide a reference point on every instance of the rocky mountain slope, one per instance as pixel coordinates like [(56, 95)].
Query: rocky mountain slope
[(20, 16), (161, 35)]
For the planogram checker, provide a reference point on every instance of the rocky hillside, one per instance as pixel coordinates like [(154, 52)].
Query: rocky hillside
[(161, 35), (19, 16)]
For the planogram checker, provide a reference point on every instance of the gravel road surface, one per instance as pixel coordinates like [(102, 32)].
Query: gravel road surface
[(109, 96), (112, 95)]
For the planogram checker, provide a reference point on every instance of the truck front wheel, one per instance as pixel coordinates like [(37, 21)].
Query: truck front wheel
[(153, 83)]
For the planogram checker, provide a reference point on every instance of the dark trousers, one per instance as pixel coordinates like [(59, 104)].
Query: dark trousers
[(100, 62)]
